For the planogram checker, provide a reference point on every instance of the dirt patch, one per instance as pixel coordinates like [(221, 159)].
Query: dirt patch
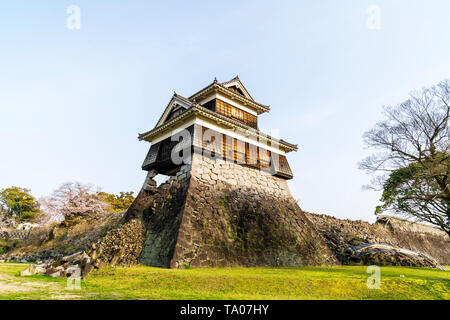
[(64, 296), (53, 291), (9, 284), (13, 287)]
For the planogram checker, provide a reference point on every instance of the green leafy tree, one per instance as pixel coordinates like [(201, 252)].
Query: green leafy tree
[(118, 202), (414, 157), (18, 203)]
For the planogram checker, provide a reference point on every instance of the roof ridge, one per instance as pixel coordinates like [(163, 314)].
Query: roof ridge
[(253, 101), (221, 84), (181, 97)]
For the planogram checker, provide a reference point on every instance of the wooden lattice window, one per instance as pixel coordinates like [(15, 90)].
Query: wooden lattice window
[(165, 150), (251, 154), (264, 158), (205, 141), (237, 114), (228, 147), (240, 151), (284, 166)]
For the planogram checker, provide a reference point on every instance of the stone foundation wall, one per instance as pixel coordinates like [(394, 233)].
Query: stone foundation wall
[(239, 216), (340, 234), (215, 213), (402, 225), (14, 234), (163, 217)]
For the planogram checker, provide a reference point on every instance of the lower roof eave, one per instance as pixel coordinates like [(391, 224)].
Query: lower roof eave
[(199, 110)]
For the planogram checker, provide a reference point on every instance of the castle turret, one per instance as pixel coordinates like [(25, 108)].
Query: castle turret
[(227, 202), (222, 120)]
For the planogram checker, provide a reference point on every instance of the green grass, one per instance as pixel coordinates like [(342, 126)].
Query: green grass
[(142, 282)]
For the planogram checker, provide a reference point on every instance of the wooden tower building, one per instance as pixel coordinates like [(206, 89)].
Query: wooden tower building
[(227, 202), (222, 120)]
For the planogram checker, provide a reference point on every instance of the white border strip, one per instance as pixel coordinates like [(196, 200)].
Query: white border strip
[(228, 132)]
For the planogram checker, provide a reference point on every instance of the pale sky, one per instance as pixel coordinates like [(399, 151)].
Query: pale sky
[(72, 102)]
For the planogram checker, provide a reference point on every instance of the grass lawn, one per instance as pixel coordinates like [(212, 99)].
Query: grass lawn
[(142, 282)]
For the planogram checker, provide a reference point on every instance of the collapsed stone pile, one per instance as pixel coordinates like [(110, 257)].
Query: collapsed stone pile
[(79, 264), (41, 257), (121, 246), (343, 235), (387, 255)]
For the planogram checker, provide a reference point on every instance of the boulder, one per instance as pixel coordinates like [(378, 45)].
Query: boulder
[(66, 266), (33, 269), (40, 268), (73, 258), (387, 255), (84, 260), (56, 272), (99, 264), (86, 270), (27, 271)]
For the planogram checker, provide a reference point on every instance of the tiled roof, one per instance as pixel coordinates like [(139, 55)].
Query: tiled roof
[(240, 85), (215, 85), (196, 108)]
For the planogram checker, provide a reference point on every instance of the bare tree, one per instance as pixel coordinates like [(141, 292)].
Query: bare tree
[(413, 157), (6, 221), (74, 199)]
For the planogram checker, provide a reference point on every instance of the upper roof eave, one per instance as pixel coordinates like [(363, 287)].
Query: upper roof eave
[(232, 123), (261, 108)]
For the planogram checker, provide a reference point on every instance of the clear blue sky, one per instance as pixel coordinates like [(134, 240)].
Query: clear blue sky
[(72, 102)]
